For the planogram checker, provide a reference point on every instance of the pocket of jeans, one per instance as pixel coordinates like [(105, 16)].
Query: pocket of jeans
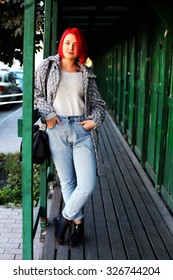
[(82, 130)]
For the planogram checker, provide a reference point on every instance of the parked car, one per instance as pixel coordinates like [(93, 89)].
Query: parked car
[(18, 74), (8, 86)]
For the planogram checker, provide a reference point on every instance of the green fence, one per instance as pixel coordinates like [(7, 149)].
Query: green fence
[(139, 84), (25, 124)]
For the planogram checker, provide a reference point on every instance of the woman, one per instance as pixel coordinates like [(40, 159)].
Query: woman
[(73, 110)]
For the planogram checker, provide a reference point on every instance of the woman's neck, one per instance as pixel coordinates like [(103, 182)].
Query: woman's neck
[(69, 65)]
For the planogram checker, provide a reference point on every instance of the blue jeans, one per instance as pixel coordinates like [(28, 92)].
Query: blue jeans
[(74, 158)]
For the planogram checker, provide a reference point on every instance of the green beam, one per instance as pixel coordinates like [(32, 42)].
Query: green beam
[(43, 190), (27, 167), (163, 118), (54, 27), (47, 28)]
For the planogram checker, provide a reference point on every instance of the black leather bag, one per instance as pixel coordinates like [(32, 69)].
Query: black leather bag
[(41, 150)]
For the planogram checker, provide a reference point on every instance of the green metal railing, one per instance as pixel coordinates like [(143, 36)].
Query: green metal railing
[(25, 124)]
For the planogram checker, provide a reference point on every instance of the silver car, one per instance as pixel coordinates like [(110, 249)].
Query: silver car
[(18, 75), (8, 86)]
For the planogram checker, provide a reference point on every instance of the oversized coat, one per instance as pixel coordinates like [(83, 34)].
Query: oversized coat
[(94, 104)]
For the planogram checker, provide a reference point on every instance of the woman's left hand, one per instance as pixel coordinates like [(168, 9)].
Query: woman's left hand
[(88, 124)]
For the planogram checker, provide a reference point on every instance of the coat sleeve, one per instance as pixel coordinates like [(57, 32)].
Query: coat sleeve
[(44, 108)]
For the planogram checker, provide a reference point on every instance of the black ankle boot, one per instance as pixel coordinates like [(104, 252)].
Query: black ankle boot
[(61, 224), (76, 236)]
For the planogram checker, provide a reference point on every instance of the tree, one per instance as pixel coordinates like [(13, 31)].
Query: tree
[(12, 27)]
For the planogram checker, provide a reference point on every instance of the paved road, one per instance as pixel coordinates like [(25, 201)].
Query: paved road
[(9, 140)]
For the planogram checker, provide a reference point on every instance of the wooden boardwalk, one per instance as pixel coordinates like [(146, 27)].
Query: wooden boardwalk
[(125, 219)]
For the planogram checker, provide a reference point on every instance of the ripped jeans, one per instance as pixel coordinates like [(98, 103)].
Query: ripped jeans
[(73, 154)]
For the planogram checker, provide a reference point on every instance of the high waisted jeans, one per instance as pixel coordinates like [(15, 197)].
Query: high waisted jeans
[(74, 158)]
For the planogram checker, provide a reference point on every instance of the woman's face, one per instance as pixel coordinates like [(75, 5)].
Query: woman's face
[(70, 47)]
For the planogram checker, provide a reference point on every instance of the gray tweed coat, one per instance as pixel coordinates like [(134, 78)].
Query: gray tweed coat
[(94, 104)]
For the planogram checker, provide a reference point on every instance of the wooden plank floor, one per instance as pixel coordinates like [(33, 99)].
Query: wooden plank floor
[(125, 219)]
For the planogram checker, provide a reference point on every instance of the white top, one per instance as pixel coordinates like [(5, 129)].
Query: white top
[(69, 100)]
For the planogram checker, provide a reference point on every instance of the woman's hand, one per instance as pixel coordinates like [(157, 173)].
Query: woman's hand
[(88, 124), (52, 122)]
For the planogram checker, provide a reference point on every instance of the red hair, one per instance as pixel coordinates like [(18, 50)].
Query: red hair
[(82, 50)]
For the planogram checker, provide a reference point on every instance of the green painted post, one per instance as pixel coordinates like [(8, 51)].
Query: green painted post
[(119, 80), (114, 80), (131, 131), (47, 28), (108, 80), (27, 167), (163, 120), (124, 88), (43, 170), (54, 51), (54, 27), (43, 200)]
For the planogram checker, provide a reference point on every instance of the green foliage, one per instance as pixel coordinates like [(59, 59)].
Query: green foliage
[(11, 172), (12, 29)]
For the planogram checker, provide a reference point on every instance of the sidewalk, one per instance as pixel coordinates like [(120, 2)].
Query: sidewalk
[(11, 218), (11, 235)]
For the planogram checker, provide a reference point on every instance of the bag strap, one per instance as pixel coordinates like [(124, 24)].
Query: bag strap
[(47, 75)]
